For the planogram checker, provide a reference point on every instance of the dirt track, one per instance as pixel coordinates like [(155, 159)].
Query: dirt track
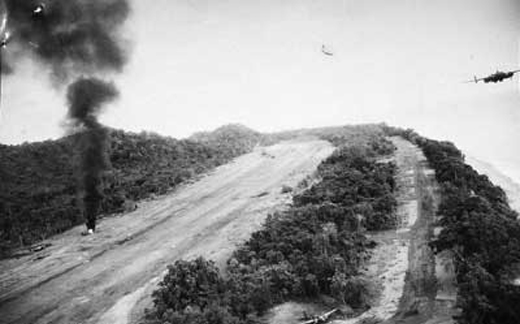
[(428, 295), (415, 286), (105, 278)]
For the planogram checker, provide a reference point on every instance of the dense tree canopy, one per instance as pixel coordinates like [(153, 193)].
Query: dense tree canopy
[(38, 185), (315, 248)]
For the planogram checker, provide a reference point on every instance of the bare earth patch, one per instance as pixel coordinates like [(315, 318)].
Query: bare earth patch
[(106, 278)]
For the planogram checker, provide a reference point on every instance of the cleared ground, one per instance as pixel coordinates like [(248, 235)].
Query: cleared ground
[(106, 278), (390, 259), (429, 291), (415, 286)]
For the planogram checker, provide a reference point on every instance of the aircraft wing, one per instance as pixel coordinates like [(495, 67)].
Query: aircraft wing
[(331, 312), (476, 80), (321, 319), (311, 321)]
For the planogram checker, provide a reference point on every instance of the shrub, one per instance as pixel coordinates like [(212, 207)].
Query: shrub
[(313, 249), (38, 185), (286, 189), (189, 284)]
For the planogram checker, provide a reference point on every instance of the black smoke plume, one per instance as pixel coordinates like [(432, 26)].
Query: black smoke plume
[(70, 36), (86, 98)]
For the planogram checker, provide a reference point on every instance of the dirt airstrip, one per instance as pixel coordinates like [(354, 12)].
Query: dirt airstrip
[(106, 278)]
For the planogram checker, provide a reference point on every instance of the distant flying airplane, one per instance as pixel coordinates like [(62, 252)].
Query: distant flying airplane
[(325, 51), (498, 76), (39, 9)]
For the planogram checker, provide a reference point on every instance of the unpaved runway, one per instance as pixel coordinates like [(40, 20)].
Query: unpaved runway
[(403, 265), (428, 295), (102, 278), (389, 263)]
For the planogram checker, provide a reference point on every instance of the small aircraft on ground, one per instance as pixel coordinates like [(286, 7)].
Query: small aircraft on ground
[(321, 319), (498, 76)]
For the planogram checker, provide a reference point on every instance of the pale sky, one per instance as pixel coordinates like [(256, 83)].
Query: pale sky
[(198, 64)]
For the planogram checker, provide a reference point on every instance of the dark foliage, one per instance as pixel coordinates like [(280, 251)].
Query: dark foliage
[(367, 135), (318, 244), (481, 230), (192, 292), (38, 187), (351, 179), (315, 248), (234, 138)]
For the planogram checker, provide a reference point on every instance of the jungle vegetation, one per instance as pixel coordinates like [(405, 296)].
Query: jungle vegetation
[(313, 249), (38, 195)]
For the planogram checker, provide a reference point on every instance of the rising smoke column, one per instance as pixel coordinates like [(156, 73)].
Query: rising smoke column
[(86, 98), (74, 39)]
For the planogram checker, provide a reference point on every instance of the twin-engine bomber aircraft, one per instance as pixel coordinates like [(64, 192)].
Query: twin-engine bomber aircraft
[(498, 76)]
